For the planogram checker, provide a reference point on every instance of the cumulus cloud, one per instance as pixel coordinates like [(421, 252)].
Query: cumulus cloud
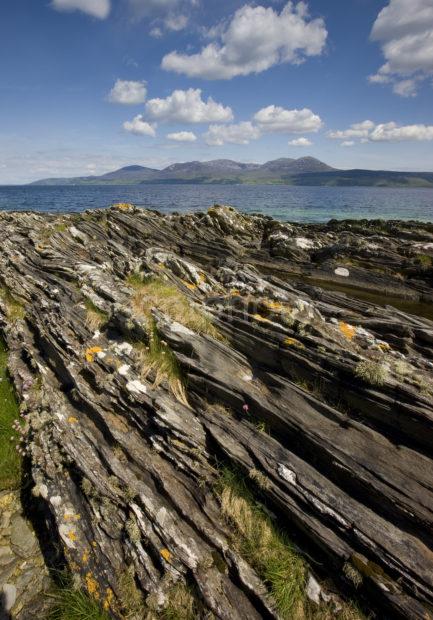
[(255, 39), (128, 92), (140, 127), (404, 28), (176, 22), (187, 106), (182, 136), (276, 119), (357, 130), (96, 8), (368, 131), (241, 133), (300, 142)]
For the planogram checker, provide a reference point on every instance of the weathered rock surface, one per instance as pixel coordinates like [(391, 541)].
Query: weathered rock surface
[(125, 471)]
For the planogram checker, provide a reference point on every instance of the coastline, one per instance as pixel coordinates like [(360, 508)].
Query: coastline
[(169, 371)]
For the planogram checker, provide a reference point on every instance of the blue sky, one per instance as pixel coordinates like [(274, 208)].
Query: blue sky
[(91, 85)]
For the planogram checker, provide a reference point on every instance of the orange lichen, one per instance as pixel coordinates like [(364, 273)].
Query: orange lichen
[(262, 319), (72, 420), (234, 292), (273, 305), (189, 285), (108, 598), (90, 353), (123, 206), (166, 554), (71, 516), (347, 330), (92, 586), (292, 342), (383, 346)]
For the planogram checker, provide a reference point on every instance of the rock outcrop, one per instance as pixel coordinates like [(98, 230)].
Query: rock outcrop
[(152, 352)]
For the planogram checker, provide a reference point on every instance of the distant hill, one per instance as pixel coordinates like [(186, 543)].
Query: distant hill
[(302, 171)]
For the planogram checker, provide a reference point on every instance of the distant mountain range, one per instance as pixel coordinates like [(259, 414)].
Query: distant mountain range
[(286, 171)]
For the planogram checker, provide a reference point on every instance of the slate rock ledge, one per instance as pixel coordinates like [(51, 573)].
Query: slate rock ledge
[(323, 402)]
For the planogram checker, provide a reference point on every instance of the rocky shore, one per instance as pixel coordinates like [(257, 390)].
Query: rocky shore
[(221, 417)]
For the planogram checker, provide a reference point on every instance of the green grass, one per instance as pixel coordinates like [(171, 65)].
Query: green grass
[(95, 318), (158, 359), (271, 553), (155, 293), (14, 309), (71, 604), (10, 460), (372, 372), (267, 549)]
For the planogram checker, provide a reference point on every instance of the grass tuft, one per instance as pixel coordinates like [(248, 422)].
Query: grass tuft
[(372, 372), (159, 361), (181, 605), (73, 604), (10, 460), (155, 293), (14, 309), (272, 555), (95, 318), (267, 549)]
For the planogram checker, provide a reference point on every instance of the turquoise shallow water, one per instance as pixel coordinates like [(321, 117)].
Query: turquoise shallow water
[(300, 204)]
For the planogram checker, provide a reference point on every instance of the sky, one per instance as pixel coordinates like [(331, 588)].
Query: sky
[(88, 86)]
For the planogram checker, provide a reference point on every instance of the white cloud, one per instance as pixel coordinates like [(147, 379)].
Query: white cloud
[(300, 142), (140, 127), (404, 28), (254, 40), (128, 93), (391, 132), (357, 130), (241, 133), (96, 8), (139, 9), (187, 106), (368, 131), (176, 22), (182, 136), (276, 119)]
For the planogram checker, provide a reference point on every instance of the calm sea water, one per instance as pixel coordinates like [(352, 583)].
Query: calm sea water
[(299, 204)]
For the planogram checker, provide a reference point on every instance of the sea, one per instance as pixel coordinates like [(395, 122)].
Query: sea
[(286, 203)]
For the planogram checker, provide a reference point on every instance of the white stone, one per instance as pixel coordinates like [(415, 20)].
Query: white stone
[(123, 370), (65, 532), (313, 590), (304, 243), (342, 271), (136, 387), (123, 347), (56, 500), (287, 474), (9, 596)]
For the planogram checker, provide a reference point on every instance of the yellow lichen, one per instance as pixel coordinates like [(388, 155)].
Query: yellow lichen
[(189, 285), (260, 318), (166, 554), (72, 420), (347, 330), (92, 586), (90, 353), (292, 342), (273, 305), (85, 557), (108, 598), (72, 535), (123, 206)]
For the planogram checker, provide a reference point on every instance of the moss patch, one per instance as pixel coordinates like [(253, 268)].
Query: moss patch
[(10, 460)]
